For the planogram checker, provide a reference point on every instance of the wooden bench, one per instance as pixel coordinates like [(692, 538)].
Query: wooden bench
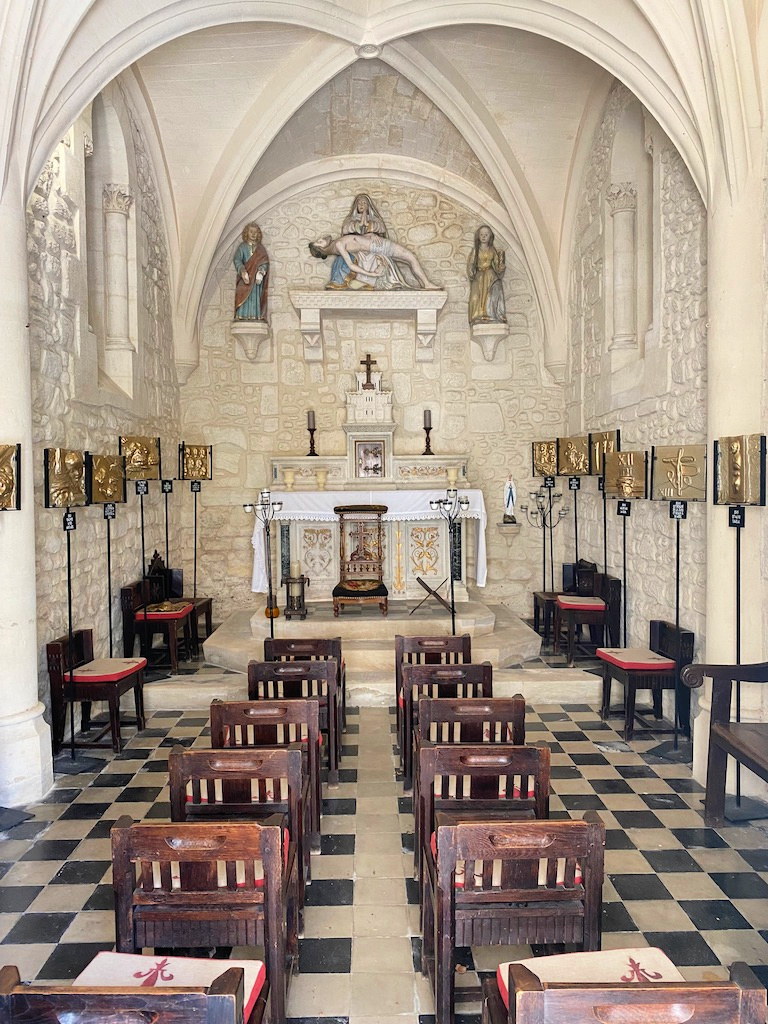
[(147, 612), (173, 587), (745, 741), (655, 668), (105, 679), (311, 649)]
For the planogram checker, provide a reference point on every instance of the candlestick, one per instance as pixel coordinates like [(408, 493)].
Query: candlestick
[(311, 441), (311, 419), (427, 417), (427, 447)]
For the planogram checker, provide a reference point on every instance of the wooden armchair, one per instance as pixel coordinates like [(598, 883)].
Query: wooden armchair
[(105, 679), (202, 885), (297, 680), (147, 612), (745, 741), (602, 610), (501, 883), (266, 723), (247, 785), (426, 650), (738, 1001), (459, 720), (311, 649), (468, 681), (219, 1002), (473, 782)]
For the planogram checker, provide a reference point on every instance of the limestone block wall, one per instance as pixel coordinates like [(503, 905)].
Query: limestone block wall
[(251, 411), (73, 405), (666, 400)]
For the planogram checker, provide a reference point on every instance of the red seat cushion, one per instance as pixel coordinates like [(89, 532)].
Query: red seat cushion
[(107, 670), (113, 970), (580, 604), (611, 965), (642, 659), (176, 613)]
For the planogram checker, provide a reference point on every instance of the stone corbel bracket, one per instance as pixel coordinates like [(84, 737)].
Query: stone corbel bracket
[(313, 305), (255, 337), (488, 337)]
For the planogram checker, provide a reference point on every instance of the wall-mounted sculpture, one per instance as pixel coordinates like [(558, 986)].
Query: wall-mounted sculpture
[(544, 458), (679, 472), (378, 264), (600, 443), (573, 456), (105, 478), (740, 470), (10, 477), (195, 461), (142, 457), (626, 474), (64, 478), (252, 266)]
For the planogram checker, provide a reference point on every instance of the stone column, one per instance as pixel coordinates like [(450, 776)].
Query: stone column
[(119, 352), (26, 771), (735, 405), (622, 202)]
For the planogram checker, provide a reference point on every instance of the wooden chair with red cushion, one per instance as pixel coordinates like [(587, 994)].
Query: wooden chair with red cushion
[(602, 611), (102, 679), (504, 883), (201, 885), (145, 617), (648, 990), (265, 723)]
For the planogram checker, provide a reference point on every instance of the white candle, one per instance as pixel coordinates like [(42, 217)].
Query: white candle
[(295, 569), (427, 417), (311, 419)]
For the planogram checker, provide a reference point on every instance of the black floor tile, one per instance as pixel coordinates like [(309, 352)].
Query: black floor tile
[(408, 839), (14, 899), (342, 806), (685, 785), (616, 918), (570, 736), (670, 860), (81, 872), (565, 771), (102, 898), (664, 801), (70, 958), (108, 780), (640, 887), (349, 750), (159, 765), (637, 819), (330, 892), (554, 716), (741, 885), (39, 928), (582, 802), (139, 794), (161, 810), (758, 859), (699, 838), (684, 949), (51, 849), (636, 771), (325, 956), (416, 952), (85, 811), (336, 845), (616, 839), (352, 730), (589, 759), (405, 804), (711, 915), (28, 829), (412, 891), (101, 829), (611, 786), (5, 867), (141, 753)]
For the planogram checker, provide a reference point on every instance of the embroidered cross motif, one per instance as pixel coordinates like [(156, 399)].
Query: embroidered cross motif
[(638, 973), (154, 974)]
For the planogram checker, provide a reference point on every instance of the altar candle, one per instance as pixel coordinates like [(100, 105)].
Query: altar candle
[(311, 419), (295, 570), (427, 418)]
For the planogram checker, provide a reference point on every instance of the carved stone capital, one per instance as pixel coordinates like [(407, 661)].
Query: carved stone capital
[(621, 196), (87, 145), (117, 199)]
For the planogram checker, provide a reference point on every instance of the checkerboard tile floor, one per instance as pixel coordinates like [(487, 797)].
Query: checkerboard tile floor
[(699, 893)]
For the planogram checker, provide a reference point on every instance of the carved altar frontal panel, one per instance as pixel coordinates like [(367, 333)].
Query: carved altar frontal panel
[(544, 458), (424, 548), (317, 551), (626, 474), (740, 470), (573, 456), (600, 444), (64, 478), (679, 472)]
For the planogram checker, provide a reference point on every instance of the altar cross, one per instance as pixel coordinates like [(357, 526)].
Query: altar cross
[(368, 363)]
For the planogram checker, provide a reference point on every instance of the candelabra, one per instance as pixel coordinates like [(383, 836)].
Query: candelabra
[(265, 511), (543, 517), (450, 508)]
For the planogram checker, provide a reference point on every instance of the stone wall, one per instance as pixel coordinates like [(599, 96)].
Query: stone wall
[(73, 406), (251, 411), (669, 374)]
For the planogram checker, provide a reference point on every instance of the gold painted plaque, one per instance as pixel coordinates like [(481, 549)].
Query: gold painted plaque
[(600, 444), (107, 478), (625, 474), (679, 472), (142, 457), (194, 461), (64, 478), (573, 456), (740, 470), (544, 455), (9, 477)]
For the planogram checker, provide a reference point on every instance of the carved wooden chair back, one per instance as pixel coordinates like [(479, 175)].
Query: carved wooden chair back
[(608, 588), (297, 680), (311, 649), (419, 681), (426, 650), (266, 723), (204, 884), (503, 883)]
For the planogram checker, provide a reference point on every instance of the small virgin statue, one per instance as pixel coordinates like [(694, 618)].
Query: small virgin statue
[(485, 267)]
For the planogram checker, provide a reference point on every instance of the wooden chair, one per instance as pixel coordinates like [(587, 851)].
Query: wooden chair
[(361, 557), (738, 1001), (105, 679), (311, 649), (459, 720), (578, 578), (747, 742), (292, 680), (146, 613), (419, 681), (477, 783), (265, 723), (523, 882), (426, 650), (603, 610), (653, 668), (173, 587), (219, 1002), (201, 885)]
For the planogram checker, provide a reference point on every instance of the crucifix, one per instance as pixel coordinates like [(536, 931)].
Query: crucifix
[(368, 363)]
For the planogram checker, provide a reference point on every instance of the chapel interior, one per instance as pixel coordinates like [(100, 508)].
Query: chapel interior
[(373, 319)]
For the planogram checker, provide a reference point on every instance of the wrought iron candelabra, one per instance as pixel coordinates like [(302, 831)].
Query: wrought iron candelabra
[(265, 511), (545, 517), (450, 508)]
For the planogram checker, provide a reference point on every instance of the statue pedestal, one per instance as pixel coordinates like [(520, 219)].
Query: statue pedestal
[(488, 337), (254, 336)]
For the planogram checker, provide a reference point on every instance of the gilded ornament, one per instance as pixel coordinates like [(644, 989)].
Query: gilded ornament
[(107, 477), (679, 472), (64, 478), (9, 476), (544, 458), (573, 456), (740, 470), (142, 457), (625, 474), (195, 462), (600, 444)]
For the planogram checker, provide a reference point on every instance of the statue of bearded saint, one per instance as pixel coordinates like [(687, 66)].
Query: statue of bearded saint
[(252, 266)]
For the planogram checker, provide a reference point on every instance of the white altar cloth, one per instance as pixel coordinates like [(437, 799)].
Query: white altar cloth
[(405, 505)]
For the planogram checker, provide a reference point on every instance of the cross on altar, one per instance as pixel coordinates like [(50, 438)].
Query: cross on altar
[(368, 363)]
